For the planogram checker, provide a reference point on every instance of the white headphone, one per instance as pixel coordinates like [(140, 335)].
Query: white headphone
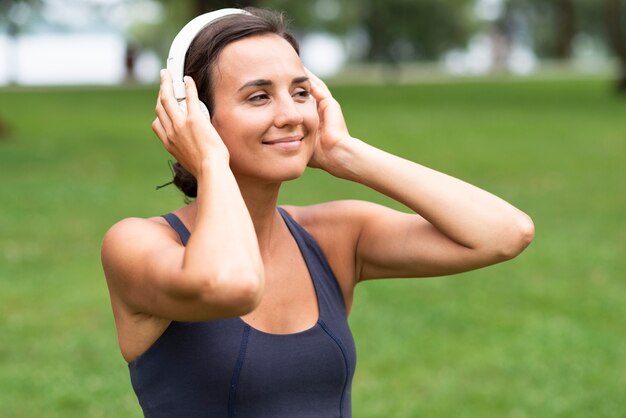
[(181, 43)]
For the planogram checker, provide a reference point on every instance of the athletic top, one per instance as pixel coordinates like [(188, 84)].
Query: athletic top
[(226, 368)]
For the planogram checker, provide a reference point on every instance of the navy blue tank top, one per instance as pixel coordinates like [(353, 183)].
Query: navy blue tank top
[(226, 368)]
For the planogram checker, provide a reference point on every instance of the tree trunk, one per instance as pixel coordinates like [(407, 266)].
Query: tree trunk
[(130, 62), (564, 26), (617, 39)]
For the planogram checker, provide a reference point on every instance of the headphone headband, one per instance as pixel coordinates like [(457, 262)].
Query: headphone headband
[(182, 41)]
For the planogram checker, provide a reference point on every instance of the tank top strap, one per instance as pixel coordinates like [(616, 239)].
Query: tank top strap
[(178, 226), (326, 284)]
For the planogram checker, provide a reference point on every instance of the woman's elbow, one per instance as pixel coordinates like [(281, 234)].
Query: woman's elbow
[(249, 294), (520, 237), (238, 292)]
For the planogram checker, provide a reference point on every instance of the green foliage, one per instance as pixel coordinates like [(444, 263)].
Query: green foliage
[(540, 336), (430, 27), (399, 30), (159, 36), (305, 17), (588, 19), (16, 15)]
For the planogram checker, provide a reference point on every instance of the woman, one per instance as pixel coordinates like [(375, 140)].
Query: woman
[(232, 306)]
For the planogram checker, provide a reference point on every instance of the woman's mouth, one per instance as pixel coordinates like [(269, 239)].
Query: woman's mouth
[(287, 143)]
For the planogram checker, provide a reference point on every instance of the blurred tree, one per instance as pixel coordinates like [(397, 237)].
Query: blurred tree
[(615, 13), (551, 26), (397, 29), (598, 20), (406, 30), (15, 17), (204, 6), (332, 16), (130, 61), (564, 26), (158, 37), (554, 25)]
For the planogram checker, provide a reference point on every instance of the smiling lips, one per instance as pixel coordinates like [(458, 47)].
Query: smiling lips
[(286, 143)]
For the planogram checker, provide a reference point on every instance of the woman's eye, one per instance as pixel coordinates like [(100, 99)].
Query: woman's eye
[(303, 93), (259, 97)]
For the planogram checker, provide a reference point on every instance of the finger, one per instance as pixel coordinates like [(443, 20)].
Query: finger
[(319, 91), (205, 110), (194, 105), (167, 99), (159, 130), (162, 115), (318, 86), (333, 115)]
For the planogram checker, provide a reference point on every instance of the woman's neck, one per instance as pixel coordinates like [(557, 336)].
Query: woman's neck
[(261, 202)]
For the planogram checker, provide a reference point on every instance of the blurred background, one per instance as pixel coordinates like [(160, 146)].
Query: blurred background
[(115, 41), (524, 98)]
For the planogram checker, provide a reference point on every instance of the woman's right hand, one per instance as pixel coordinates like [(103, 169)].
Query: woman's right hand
[(188, 135)]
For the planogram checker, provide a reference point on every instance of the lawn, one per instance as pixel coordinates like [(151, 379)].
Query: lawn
[(540, 336)]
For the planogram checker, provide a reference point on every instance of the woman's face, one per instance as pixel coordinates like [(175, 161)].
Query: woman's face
[(263, 109)]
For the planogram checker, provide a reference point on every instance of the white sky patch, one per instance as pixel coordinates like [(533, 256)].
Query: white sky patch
[(477, 59), (68, 13), (147, 67), (322, 53), (4, 62), (19, 13), (63, 59), (115, 13), (522, 60), (136, 12)]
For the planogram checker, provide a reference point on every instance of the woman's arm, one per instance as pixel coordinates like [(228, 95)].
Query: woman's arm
[(456, 226), (220, 272)]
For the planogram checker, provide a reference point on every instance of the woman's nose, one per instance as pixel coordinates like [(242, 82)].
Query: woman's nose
[(287, 113)]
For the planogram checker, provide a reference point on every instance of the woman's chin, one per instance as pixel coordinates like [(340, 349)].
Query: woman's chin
[(272, 174), (288, 173), (294, 176)]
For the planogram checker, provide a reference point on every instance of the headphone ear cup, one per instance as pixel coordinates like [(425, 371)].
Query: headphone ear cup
[(205, 110)]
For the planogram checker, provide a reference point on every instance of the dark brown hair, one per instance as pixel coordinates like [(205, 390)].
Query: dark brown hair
[(202, 57)]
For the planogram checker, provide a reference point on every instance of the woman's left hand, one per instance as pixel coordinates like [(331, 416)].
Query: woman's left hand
[(332, 130)]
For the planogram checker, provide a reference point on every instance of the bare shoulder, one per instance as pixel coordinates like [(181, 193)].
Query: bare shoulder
[(129, 242), (134, 227), (336, 224), (134, 233), (347, 213)]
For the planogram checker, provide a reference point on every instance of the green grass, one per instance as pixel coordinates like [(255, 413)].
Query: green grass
[(540, 336)]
